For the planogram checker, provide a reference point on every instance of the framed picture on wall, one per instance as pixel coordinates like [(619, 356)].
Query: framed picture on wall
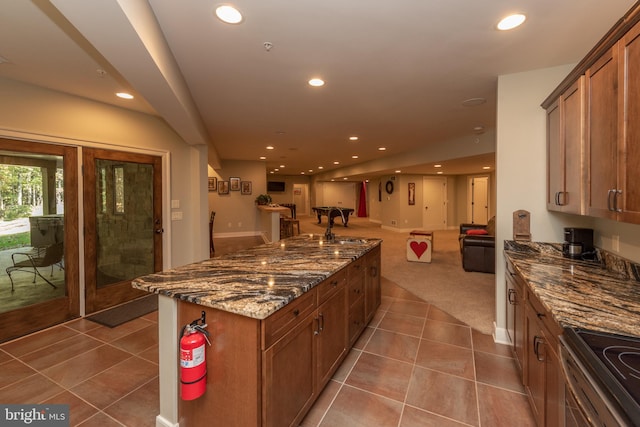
[(234, 184), (412, 193), (245, 187), (213, 183), (223, 187)]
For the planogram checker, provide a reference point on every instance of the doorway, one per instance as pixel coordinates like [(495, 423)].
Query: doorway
[(434, 191), (123, 224), (300, 198), (478, 200), (39, 283)]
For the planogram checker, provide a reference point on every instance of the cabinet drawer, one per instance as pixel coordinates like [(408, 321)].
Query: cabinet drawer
[(331, 285), (551, 329), (285, 319), (356, 270)]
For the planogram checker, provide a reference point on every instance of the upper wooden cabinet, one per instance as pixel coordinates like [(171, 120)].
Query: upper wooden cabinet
[(602, 134), (628, 197), (593, 131), (565, 142)]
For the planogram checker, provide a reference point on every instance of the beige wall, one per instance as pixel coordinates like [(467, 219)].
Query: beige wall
[(41, 115)]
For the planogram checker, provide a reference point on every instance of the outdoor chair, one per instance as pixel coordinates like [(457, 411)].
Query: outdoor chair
[(30, 262)]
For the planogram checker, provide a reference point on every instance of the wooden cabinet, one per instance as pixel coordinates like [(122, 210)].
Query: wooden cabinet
[(628, 197), (356, 273), (269, 372), (565, 142), (602, 135), (515, 313), (544, 383), (373, 292), (606, 124)]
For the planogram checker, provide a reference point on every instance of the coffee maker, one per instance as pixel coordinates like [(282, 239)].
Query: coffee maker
[(578, 243)]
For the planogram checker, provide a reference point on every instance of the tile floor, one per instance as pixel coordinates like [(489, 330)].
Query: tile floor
[(413, 366)]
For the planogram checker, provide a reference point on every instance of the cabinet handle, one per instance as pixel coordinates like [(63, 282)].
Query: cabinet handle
[(374, 271), (296, 312), (615, 200), (536, 348), (541, 315), (321, 322), (609, 202), (512, 297), (558, 198), (317, 331), (334, 283)]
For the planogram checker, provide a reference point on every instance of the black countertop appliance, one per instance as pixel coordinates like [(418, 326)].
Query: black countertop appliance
[(578, 243)]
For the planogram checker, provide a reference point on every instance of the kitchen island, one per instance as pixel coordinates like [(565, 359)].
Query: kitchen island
[(281, 316)]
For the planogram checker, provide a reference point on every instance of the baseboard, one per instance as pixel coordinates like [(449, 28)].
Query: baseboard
[(500, 335), (163, 422)]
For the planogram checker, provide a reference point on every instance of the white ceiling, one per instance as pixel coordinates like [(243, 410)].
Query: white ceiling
[(397, 72)]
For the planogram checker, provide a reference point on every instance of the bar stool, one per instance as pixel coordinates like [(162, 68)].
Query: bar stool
[(289, 223)]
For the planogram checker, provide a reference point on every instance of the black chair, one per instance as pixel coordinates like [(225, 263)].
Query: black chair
[(211, 218), (30, 262)]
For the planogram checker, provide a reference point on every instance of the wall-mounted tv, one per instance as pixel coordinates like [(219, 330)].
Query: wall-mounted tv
[(275, 186)]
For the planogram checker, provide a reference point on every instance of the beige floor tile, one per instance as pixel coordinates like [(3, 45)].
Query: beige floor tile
[(446, 395), (402, 323), (448, 333), (354, 408), (381, 375), (503, 408), (498, 371), (393, 345), (414, 417), (447, 358)]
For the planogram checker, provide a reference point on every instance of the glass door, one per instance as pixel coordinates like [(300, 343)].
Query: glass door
[(38, 236), (123, 224)]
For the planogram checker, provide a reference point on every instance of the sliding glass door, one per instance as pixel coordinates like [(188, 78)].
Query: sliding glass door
[(38, 236)]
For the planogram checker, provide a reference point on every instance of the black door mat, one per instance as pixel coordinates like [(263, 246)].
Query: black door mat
[(126, 312)]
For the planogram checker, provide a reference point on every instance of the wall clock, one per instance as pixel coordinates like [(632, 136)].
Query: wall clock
[(389, 187)]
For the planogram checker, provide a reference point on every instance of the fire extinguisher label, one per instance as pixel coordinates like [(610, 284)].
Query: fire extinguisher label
[(192, 358)]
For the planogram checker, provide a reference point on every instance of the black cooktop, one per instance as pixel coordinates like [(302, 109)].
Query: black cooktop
[(614, 360)]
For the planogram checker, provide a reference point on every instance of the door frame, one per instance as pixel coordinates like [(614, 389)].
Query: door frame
[(19, 322), (471, 197), (120, 292), (443, 207)]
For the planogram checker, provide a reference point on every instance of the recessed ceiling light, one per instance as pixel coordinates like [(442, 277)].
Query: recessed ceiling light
[(269, 147), (437, 166), (263, 158), (276, 169), (124, 95), (439, 172), (316, 82), (282, 166), (354, 157), (310, 170), (398, 171), (302, 173), (353, 138), (320, 167), (486, 167), (345, 178), (382, 148), (228, 14), (336, 163), (511, 21)]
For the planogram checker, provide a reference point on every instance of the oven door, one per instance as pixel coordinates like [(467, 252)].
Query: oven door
[(586, 404)]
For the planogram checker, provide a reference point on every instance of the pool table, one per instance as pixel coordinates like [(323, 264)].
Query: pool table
[(335, 212)]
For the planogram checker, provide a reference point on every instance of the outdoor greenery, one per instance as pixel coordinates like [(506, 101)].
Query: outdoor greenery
[(20, 191), (10, 241)]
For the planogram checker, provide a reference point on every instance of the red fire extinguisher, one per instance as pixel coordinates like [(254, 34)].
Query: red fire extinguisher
[(193, 362)]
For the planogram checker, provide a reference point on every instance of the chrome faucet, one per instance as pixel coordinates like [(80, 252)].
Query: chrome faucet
[(328, 235)]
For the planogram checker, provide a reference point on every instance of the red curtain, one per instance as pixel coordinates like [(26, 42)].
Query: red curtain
[(362, 207)]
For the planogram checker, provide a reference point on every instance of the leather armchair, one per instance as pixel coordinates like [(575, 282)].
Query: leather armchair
[(478, 251)]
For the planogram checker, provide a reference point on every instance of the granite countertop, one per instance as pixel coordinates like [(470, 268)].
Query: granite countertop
[(258, 281), (601, 296)]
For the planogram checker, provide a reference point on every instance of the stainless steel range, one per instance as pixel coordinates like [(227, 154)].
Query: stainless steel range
[(602, 373)]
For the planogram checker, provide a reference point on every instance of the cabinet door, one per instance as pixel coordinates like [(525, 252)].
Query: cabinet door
[(331, 336), (628, 201), (534, 362), (573, 142), (373, 292), (555, 158), (515, 314), (554, 388), (602, 134), (288, 388)]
